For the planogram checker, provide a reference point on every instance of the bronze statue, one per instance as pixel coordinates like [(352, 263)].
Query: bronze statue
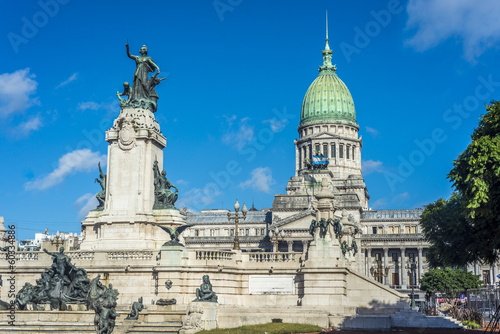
[(312, 227), (101, 195), (142, 93), (174, 234), (164, 197), (204, 293), (137, 307), (61, 263)]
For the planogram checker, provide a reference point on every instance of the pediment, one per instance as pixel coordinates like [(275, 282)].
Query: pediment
[(300, 220)]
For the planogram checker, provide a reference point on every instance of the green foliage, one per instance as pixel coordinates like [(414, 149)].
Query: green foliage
[(449, 282), (271, 328), (447, 229), (472, 324), (476, 177)]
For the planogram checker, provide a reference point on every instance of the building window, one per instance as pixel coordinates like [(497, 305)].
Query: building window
[(347, 152), (486, 277), (247, 232), (411, 255), (413, 229), (262, 231), (390, 230), (333, 150), (316, 149), (353, 153), (374, 229), (396, 229), (395, 257), (407, 229), (196, 233), (378, 256), (232, 232), (325, 150), (377, 229), (341, 151)]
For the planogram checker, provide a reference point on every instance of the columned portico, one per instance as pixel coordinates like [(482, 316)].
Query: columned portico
[(420, 263), (386, 255), (403, 267)]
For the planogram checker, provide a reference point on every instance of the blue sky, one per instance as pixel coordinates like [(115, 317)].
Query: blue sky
[(420, 73)]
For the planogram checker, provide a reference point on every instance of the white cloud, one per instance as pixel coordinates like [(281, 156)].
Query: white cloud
[(109, 107), (276, 125), (73, 77), (16, 90), (86, 203), (473, 22), (261, 180), (241, 136), (32, 124), (372, 131), (400, 197), (89, 105), (380, 203), (198, 198), (77, 161), (370, 166)]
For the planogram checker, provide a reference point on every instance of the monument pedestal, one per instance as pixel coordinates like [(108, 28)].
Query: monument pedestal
[(126, 222), (200, 315)]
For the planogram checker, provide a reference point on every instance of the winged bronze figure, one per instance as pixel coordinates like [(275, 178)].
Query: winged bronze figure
[(174, 234)]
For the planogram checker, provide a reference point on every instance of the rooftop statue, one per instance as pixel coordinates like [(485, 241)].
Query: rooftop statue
[(164, 197), (204, 293), (142, 93)]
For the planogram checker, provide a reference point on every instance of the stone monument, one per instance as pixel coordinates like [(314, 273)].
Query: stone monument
[(136, 192)]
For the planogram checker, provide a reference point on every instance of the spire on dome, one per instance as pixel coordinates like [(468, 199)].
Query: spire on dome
[(327, 47), (327, 53)]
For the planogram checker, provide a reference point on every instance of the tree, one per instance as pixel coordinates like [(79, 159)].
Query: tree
[(449, 282), (466, 228), (476, 176), (451, 234)]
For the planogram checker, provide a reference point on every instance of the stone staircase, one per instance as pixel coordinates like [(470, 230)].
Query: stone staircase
[(172, 327), (411, 318), (38, 327)]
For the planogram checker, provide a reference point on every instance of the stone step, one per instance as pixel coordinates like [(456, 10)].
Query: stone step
[(169, 327)]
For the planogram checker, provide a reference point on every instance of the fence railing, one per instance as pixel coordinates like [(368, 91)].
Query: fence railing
[(214, 255), (274, 257)]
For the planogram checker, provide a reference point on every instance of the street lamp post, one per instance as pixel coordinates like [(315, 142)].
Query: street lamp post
[(276, 236), (236, 218), (57, 240), (379, 272), (411, 270)]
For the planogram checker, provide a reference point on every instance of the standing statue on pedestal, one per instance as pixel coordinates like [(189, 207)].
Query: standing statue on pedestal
[(142, 93), (101, 195), (204, 293), (164, 197)]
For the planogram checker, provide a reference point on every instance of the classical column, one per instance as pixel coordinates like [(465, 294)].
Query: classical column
[(290, 246), (494, 273), (304, 245), (420, 262), (367, 261), (386, 255), (476, 268), (403, 268)]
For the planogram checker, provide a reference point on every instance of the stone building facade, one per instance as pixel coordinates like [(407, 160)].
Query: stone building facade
[(392, 247)]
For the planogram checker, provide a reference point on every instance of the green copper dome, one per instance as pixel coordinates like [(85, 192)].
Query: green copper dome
[(328, 98)]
